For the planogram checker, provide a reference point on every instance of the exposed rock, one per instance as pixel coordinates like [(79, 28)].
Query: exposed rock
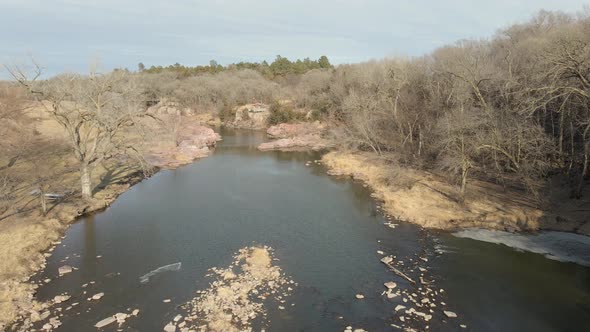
[(390, 285), (135, 312), (399, 307), (177, 318), (289, 130), (167, 107), (360, 296), (230, 305), (64, 269), (61, 298), (105, 322), (170, 327), (450, 314), (251, 116), (195, 141), (97, 296), (299, 143), (387, 260)]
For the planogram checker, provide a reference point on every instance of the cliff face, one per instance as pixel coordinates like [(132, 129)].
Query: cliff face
[(251, 116)]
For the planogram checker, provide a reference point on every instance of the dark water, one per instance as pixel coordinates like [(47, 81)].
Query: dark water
[(325, 232)]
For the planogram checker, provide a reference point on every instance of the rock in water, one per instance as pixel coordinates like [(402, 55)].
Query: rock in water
[(450, 314), (399, 307), (170, 328), (97, 296), (64, 269), (61, 298), (386, 260), (360, 296), (390, 285), (105, 322)]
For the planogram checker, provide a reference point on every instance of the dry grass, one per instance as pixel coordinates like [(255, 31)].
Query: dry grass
[(430, 201)]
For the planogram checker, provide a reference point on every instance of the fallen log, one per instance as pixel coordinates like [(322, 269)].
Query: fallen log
[(398, 272)]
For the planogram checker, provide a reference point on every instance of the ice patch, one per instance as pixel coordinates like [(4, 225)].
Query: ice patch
[(565, 247), (170, 267)]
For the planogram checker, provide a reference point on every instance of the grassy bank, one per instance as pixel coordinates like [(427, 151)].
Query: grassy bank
[(430, 201)]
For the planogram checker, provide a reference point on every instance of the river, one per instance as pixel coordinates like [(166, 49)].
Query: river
[(326, 233)]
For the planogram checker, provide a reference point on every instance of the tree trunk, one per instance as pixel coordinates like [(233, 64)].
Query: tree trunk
[(43, 200), (464, 181), (585, 171), (86, 181)]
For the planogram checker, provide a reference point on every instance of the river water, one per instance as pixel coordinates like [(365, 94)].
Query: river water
[(326, 233)]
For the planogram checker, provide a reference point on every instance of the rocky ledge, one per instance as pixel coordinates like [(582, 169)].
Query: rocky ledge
[(296, 137), (195, 141)]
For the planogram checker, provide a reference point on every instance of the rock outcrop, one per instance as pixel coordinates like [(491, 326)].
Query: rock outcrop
[(296, 137), (165, 106), (196, 141), (251, 116)]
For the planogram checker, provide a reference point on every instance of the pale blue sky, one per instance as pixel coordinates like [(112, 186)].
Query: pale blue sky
[(65, 35)]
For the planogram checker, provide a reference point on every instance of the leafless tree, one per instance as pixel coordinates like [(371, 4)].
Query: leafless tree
[(93, 110)]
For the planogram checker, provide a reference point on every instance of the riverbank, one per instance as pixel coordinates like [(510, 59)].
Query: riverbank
[(27, 236), (431, 202)]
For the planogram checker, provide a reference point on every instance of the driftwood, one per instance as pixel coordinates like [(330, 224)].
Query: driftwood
[(398, 272)]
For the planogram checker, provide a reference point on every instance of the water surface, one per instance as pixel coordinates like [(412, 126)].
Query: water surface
[(325, 232)]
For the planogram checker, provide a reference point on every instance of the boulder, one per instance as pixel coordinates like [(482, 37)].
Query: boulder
[(390, 285), (170, 328), (64, 269), (450, 314)]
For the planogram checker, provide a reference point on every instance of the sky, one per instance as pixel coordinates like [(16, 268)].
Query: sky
[(69, 35)]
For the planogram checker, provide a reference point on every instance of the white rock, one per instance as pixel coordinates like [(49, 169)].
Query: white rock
[(170, 328), (463, 326), (166, 301), (177, 318), (47, 327), (64, 269), (450, 314), (399, 307), (121, 316), (386, 260), (97, 296), (105, 322), (390, 285), (135, 312), (61, 298), (360, 296), (380, 252)]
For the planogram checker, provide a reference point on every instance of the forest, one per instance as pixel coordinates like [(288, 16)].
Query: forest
[(513, 109)]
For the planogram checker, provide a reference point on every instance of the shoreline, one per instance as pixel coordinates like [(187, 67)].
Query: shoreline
[(427, 200), (35, 240)]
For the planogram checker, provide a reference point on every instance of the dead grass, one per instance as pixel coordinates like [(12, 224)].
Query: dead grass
[(430, 201)]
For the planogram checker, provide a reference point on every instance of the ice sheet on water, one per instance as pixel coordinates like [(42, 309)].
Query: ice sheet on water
[(170, 267), (565, 247)]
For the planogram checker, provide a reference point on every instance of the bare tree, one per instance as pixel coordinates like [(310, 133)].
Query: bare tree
[(93, 110)]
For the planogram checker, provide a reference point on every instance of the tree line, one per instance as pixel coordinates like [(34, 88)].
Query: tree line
[(513, 109), (280, 67)]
